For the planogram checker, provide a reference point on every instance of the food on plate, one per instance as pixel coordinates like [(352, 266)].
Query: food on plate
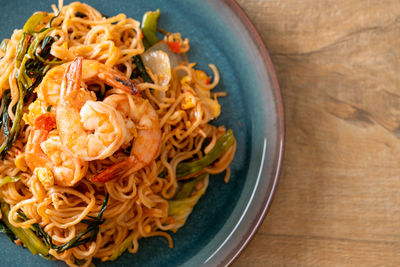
[(105, 133)]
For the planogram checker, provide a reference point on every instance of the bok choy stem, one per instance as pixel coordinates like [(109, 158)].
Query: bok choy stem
[(181, 208), (121, 248), (27, 236), (221, 146), (89, 234)]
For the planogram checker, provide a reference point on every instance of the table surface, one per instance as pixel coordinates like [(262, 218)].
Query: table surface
[(338, 199)]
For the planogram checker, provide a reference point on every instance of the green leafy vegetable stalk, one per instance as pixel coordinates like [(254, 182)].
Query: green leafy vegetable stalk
[(121, 248), (179, 208), (141, 70), (27, 236), (88, 235), (186, 198), (221, 146), (32, 61), (91, 230), (187, 188), (149, 28), (39, 242)]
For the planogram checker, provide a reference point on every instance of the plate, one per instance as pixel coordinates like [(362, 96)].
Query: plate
[(228, 215)]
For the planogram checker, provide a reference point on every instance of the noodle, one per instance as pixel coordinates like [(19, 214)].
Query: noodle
[(138, 205)]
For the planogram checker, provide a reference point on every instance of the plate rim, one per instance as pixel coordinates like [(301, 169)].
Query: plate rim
[(238, 247), (229, 258)]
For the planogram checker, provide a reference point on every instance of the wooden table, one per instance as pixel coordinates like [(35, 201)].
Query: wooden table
[(338, 199)]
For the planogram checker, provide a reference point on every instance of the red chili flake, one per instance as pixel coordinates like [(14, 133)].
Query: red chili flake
[(46, 122), (174, 46)]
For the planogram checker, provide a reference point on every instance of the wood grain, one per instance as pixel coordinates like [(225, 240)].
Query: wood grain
[(338, 200)]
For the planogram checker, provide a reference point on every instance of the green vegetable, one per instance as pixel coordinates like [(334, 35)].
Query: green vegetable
[(4, 229), (8, 179), (11, 134), (32, 63), (27, 236), (180, 209), (141, 69), (187, 197), (53, 18), (80, 239), (4, 123), (49, 108), (149, 28), (121, 248), (221, 146), (38, 230), (92, 230), (188, 188), (33, 22), (45, 51)]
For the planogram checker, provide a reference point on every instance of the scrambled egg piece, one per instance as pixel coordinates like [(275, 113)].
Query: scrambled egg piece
[(45, 176), (201, 93), (189, 101), (36, 108)]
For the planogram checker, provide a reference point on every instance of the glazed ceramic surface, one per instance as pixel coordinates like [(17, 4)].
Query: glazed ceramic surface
[(228, 214)]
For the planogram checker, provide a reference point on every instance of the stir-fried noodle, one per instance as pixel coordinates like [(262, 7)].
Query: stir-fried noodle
[(113, 147)]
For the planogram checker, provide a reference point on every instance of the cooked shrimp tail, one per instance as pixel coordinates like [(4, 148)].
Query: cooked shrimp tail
[(72, 78), (115, 79), (145, 139), (49, 90), (117, 170), (46, 158), (90, 129)]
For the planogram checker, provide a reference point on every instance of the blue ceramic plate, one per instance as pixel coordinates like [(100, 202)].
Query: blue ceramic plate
[(228, 215)]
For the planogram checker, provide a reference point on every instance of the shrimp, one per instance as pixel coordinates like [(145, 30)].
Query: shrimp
[(145, 134), (49, 89), (46, 157), (90, 129)]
